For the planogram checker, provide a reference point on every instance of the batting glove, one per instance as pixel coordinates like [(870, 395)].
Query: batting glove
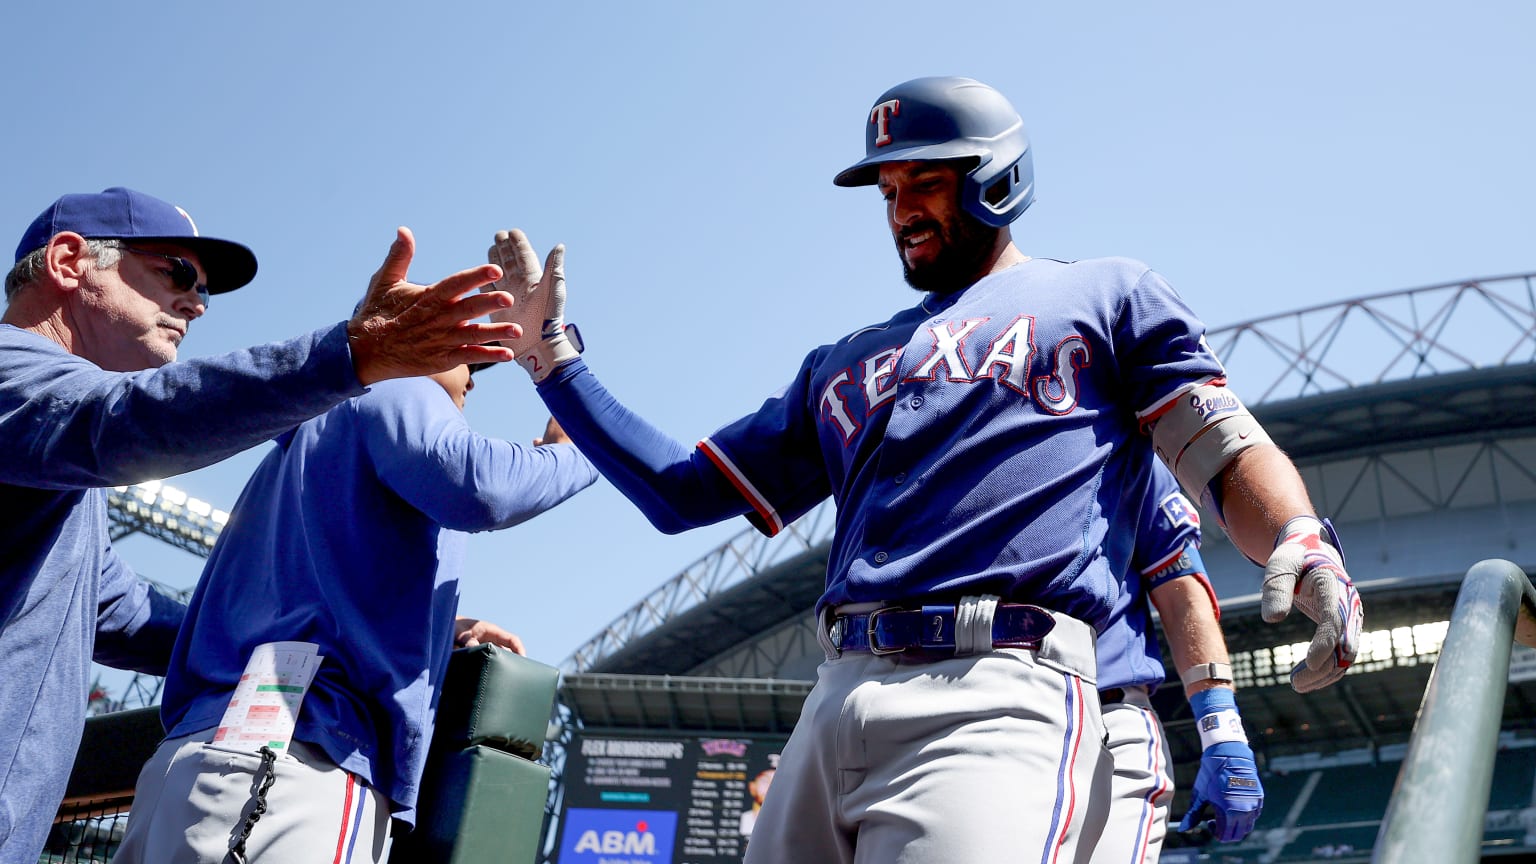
[(540, 306), (1227, 786), (1307, 570)]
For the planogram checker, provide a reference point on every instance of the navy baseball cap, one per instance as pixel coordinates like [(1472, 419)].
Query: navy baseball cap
[(123, 214)]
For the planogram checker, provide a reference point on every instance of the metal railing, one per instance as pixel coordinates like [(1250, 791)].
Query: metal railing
[(1436, 814)]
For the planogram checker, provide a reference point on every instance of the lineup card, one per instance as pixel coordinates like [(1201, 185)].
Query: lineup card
[(265, 705)]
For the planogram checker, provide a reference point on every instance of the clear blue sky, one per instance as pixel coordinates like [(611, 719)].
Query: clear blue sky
[(1262, 157)]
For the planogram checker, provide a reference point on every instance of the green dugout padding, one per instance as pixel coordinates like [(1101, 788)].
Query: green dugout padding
[(482, 798), (495, 698), (478, 805)]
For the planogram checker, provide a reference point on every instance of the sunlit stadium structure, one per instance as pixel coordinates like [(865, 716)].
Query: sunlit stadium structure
[(1412, 415), (171, 516), (165, 513)]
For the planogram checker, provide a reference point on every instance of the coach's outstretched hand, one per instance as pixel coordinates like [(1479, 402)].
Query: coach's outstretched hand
[(401, 330), (1307, 570), (540, 303)]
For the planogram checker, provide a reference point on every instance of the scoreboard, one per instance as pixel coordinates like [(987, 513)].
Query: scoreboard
[(662, 799)]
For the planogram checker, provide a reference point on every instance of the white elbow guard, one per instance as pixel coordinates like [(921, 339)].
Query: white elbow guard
[(1201, 432)]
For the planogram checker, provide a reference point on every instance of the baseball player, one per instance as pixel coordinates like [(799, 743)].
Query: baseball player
[(1166, 568), (975, 445)]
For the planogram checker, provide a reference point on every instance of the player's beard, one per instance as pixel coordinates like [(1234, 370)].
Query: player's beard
[(965, 248)]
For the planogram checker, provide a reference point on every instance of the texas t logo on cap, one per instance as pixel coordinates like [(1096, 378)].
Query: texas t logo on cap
[(881, 117)]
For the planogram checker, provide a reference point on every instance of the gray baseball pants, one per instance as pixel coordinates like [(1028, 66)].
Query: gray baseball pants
[(193, 797), (992, 755)]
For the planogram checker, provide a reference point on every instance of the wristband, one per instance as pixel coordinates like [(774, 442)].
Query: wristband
[(1218, 718), (1221, 726), (1206, 672)]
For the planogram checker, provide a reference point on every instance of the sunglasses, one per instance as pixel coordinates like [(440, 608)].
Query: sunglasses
[(183, 274)]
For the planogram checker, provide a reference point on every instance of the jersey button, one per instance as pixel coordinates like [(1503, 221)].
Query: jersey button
[(881, 557), (917, 402), (900, 478)]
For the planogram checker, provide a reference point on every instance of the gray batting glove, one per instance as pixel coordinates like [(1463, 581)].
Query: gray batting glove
[(540, 306), (1307, 570)]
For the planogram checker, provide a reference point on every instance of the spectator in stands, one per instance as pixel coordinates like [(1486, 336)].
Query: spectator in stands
[(103, 291), (348, 537)]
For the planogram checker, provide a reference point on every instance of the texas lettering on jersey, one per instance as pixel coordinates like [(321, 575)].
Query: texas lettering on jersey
[(955, 358), (975, 442)]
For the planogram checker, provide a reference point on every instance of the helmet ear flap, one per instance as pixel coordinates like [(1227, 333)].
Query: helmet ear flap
[(998, 198)]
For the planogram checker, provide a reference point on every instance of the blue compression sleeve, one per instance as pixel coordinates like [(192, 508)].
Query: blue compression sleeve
[(675, 487)]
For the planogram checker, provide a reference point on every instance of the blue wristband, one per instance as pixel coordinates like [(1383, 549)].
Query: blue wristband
[(1216, 717), (1212, 700)]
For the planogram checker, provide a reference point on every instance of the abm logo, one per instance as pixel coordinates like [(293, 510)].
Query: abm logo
[(637, 842), (635, 836)]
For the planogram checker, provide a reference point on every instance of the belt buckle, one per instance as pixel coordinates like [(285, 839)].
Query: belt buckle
[(869, 632)]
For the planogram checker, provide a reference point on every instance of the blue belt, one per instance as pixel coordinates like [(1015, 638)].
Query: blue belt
[(894, 630)]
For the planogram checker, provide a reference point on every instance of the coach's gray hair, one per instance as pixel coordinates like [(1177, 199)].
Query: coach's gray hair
[(106, 252)]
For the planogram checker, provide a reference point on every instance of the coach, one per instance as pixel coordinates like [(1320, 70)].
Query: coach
[(104, 288)]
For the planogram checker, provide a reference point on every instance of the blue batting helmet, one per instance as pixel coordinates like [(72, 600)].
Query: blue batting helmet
[(928, 119)]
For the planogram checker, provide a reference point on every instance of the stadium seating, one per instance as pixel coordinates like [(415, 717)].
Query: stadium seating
[(1351, 793), (1331, 843), (1514, 779), (1280, 791)]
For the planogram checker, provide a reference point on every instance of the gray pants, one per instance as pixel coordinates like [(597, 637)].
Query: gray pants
[(994, 755), (192, 798), (1143, 784)]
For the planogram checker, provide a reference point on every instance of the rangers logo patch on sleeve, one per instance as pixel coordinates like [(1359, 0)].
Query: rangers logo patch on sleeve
[(1179, 511)]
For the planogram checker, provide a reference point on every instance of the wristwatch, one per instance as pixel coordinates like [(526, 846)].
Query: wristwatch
[(1206, 672)]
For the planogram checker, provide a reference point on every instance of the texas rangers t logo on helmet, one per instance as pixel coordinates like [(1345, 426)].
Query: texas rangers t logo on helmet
[(881, 117)]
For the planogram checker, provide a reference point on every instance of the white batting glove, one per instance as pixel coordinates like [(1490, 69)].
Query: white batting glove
[(540, 306), (1307, 570)]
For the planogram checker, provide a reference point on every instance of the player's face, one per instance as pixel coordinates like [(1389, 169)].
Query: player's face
[(134, 315), (942, 248), (457, 382)]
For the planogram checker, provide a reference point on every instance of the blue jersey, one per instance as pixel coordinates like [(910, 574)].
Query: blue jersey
[(1166, 547), (69, 428), (977, 442), (349, 535)]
